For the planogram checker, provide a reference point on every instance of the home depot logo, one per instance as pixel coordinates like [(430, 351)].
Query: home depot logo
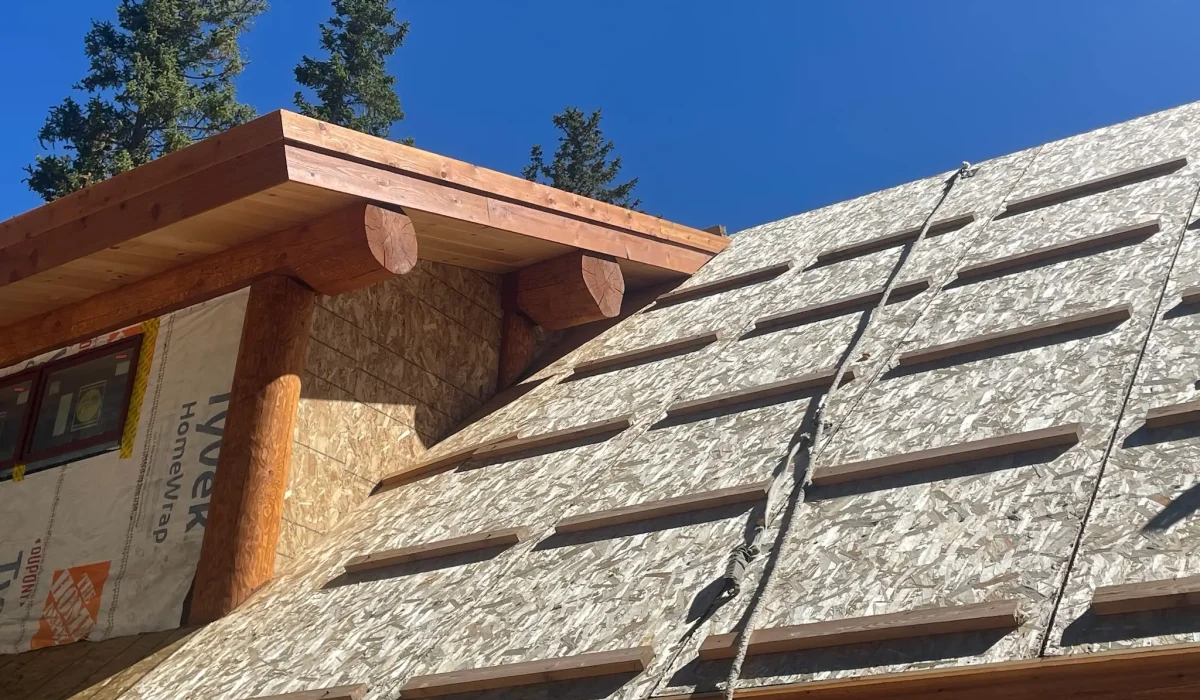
[(72, 606)]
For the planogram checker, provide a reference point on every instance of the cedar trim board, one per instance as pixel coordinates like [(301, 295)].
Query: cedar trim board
[(1056, 436), (342, 692), (745, 493), (431, 550), (1107, 675), (647, 354), (724, 284), (828, 309), (953, 619), (816, 380), (1191, 295), (416, 471), (1128, 176), (566, 435), (1067, 324), (1147, 595), (854, 250), (1120, 235), (1175, 414), (603, 663)]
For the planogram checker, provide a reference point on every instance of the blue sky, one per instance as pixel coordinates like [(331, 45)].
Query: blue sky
[(728, 112)]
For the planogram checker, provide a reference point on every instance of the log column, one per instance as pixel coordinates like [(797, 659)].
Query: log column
[(238, 554)]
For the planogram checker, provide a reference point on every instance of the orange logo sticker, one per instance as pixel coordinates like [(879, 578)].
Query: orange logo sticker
[(72, 606)]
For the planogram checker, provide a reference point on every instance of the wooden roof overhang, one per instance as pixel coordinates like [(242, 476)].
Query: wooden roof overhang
[(253, 193)]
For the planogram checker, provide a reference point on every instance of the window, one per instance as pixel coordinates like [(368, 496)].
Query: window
[(67, 410)]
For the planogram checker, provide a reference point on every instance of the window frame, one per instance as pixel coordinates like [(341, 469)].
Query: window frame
[(23, 429), (23, 454)]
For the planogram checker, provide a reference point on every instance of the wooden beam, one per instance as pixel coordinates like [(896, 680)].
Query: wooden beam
[(444, 548), (517, 344), (1090, 319), (570, 290), (1056, 436), (1108, 675), (925, 622), (872, 245), (357, 246), (1122, 178), (1191, 295), (716, 230), (429, 466), (344, 692), (643, 355), (724, 284), (1147, 595), (827, 309), (1125, 234), (594, 665), (558, 437), (1176, 414), (246, 505), (816, 380), (689, 503)]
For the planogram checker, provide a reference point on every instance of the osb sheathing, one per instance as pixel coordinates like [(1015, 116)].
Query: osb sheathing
[(1004, 528)]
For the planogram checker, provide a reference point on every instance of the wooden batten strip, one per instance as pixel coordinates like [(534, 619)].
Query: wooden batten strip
[(1101, 184), (689, 503), (537, 442), (836, 307), (723, 285), (1176, 414), (1056, 436), (342, 692), (1147, 595), (416, 471), (594, 665), (1191, 295), (855, 250), (816, 380), (647, 354), (1120, 235), (953, 619), (444, 548), (1090, 319)]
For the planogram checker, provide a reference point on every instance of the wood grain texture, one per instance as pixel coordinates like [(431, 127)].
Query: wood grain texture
[(342, 692), (1056, 436), (570, 290), (1090, 319), (827, 309), (954, 619), (558, 437), (517, 344), (1175, 414), (854, 250), (1059, 250), (647, 354), (1147, 595), (1121, 178), (355, 247), (725, 284), (688, 503), (1191, 295), (467, 543), (246, 506), (604, 663), (816, 380), (433, 465), (1111, 675)]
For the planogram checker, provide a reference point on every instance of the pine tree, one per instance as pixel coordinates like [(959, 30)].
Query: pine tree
[(352, 87), (581, 164), (158, 80)]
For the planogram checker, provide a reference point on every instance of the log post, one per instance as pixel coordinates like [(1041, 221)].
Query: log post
[(570, 290), (238, 554)]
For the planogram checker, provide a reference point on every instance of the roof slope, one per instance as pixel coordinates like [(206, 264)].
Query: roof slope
[(1044, 527)]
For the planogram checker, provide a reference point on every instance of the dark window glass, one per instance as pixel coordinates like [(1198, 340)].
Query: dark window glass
[(16, 395), (81, 407)]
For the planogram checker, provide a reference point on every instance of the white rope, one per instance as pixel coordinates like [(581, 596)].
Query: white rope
[(811, 447)]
